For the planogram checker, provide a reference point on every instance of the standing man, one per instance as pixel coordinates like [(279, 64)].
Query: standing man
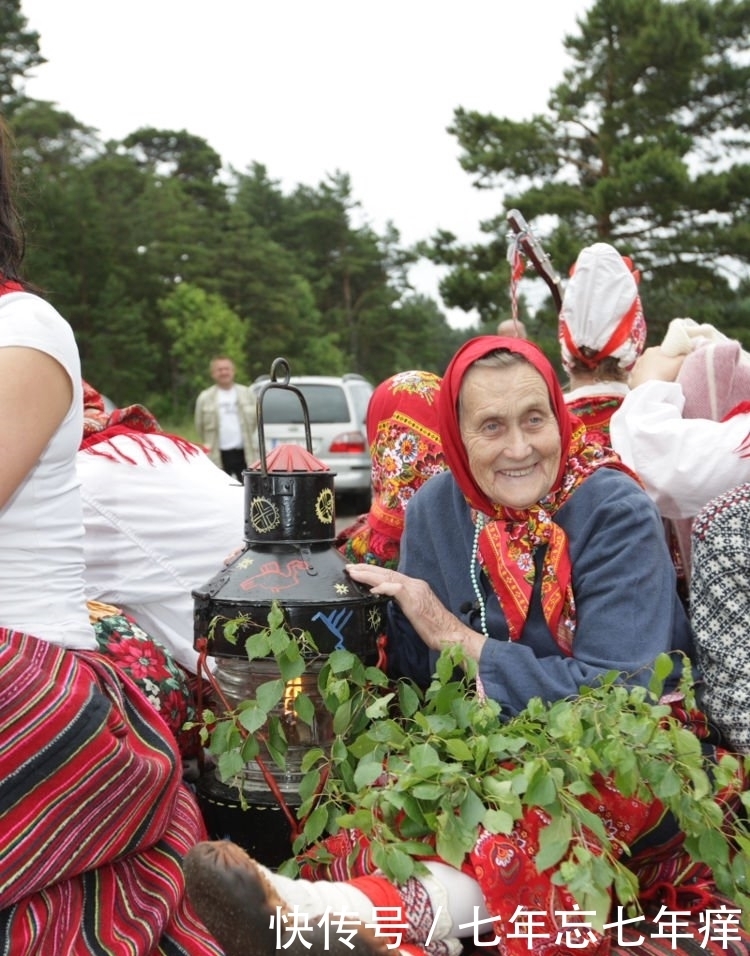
[(226, 420)]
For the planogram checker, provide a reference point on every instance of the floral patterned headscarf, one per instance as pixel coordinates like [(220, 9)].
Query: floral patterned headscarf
[(509, 537), (406, 450)]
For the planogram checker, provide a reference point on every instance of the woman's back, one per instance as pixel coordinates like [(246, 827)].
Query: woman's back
[(41, 554)]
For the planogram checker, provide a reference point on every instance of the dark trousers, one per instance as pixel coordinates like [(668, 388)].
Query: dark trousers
[(233, 462)]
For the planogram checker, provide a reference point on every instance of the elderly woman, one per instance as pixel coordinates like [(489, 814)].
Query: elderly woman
[(548, 562), (543, 557)]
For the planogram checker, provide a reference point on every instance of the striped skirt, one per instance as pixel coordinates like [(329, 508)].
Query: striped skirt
[(94, 817)]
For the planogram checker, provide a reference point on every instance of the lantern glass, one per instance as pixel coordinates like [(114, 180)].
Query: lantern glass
[(239, 680)]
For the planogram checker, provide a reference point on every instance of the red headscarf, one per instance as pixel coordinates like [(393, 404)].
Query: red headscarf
[(509, 537)]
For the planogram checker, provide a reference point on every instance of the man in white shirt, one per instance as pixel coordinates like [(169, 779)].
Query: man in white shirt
[(226, 420)]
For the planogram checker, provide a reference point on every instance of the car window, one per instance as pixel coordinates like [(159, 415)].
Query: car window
[(325, 404)]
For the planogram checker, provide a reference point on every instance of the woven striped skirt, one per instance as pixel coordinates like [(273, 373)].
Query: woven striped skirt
[(94, 817)]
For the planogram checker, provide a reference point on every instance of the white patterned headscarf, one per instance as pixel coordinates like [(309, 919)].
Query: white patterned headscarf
[(601, 310)]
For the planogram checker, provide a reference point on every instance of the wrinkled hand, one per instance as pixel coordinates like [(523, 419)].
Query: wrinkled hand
[(427, 614), (655, 364)]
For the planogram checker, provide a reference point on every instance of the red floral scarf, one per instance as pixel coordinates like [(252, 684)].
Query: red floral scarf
[(406, 451), (508, 537)]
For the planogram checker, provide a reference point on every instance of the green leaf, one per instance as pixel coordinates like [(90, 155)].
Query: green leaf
[(359, 819), (230, 763), (425, 758), (250, 748), (459, 749), (252, 717), (257, 645), (224, 736), (305, 709), (663, 667), (367, 772), (408, 698), (498, 821), (554, 841), (341, 661), (428, 791), (309, 785), (379, 708), (315, 824), (454, 839), (339, 752), (713, 848), (342, 718), (541, 790), (397, 865), (411, 807), (291, 665), (269, 694)]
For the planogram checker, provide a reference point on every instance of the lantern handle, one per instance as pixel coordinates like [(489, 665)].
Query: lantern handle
[(279, 379)]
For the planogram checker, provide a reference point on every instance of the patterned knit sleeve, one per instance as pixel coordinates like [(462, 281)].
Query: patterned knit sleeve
[(720, 611)]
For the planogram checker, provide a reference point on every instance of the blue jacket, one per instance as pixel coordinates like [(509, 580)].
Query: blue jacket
[(628, 608)]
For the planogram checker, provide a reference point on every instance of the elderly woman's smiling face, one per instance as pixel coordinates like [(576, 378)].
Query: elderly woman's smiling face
[(510, 433)]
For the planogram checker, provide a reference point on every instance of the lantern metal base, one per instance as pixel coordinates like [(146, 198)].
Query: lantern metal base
[(261, 829)]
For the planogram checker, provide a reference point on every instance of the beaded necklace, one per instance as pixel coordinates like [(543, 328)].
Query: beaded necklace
[(478, 525)]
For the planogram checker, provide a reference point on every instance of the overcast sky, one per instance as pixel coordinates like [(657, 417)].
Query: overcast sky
[(308, 87)]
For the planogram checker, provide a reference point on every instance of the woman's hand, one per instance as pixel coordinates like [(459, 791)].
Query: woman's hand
[(655, 364), (428, 616)]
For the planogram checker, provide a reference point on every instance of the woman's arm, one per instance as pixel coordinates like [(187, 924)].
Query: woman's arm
[(35, 395), (720, 612), (628, 611), (683, 462)]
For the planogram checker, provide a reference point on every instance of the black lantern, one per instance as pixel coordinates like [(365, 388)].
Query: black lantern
[(289, 558)]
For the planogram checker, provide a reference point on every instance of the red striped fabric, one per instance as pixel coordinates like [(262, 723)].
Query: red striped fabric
[(94, 818)]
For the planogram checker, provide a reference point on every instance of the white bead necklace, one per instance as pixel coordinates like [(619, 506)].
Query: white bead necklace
[(478, 525)]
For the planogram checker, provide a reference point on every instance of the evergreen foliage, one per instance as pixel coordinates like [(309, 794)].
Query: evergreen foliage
[(644, 144)]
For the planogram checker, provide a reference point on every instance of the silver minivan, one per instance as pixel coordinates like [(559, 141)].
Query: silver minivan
[(337, 407)]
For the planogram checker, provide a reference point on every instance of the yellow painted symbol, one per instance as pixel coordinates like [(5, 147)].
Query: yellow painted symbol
[(264, 515)]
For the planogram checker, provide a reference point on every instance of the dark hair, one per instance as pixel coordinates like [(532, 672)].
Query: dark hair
[(607, 370), (12, 239)]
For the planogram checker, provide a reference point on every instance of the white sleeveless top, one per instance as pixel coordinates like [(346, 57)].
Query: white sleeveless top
[(41, 527)]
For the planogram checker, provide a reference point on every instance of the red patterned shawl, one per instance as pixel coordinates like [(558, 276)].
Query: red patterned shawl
[(135, 421)]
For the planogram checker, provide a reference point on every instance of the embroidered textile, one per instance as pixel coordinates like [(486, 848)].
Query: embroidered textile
[(720, 611)]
